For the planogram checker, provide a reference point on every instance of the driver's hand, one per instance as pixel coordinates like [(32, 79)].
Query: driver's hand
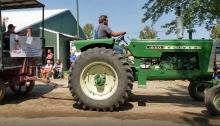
[(123, 33)]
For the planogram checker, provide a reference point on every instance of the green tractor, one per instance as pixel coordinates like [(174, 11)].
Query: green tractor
[(102, 79)]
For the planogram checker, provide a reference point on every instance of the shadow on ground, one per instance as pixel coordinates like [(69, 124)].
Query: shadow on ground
[(177, 95), (195, 119), (125, 107), (38, 92), (184, 101)]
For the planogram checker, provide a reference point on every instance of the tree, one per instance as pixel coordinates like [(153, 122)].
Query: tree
[(147, 33), (88, 30), (194, 12), (216, 32)]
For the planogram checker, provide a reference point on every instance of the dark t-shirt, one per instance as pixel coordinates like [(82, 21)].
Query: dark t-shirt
[(6, 41), (103, 31)]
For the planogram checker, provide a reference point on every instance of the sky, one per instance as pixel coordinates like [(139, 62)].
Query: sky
[(124, 15)]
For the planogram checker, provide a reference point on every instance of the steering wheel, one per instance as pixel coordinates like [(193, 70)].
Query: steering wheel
[(121, 38)]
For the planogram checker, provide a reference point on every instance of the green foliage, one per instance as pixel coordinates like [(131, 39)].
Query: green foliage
[(216, 32), (194, 12), (147, 33), (88, 30)]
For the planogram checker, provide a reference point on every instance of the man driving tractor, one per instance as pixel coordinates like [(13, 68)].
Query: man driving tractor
[(104, 31)]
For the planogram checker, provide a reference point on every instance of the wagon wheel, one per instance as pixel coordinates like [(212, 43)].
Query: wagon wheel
[(23, 88), (2, 91)]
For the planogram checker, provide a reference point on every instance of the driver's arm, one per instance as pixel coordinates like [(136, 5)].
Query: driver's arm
[(116, 34), (108, 31)]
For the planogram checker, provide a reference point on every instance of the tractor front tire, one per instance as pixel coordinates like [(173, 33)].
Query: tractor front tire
[(212, 100), (100, 80), (197, 90)]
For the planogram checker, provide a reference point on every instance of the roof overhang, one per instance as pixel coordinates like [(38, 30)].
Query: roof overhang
[(19, 4), (60, 33)]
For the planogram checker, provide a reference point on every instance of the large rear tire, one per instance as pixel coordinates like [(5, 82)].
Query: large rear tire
[(100, 80), (197, 90), (212, 100)]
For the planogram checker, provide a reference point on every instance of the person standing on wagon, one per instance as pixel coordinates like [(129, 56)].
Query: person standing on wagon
[(6, 37), (29, 32)]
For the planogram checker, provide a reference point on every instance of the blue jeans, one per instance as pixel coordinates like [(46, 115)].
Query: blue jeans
[(118, 49)]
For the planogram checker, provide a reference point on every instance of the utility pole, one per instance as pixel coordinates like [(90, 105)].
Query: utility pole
[(77, 10), (179, 23)]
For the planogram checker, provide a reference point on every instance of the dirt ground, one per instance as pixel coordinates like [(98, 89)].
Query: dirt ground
[(164, 103)]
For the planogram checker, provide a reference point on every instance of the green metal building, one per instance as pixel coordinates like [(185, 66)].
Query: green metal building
[(60, 29)]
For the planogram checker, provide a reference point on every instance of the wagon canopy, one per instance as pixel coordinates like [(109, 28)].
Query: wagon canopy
[(19, 4)]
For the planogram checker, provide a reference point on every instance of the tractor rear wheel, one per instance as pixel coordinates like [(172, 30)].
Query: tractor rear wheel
[(100, 80), (2, 91), (197, 90), (212, 100), (23, 88)]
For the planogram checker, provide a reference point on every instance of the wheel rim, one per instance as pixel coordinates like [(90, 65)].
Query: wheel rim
[(216, 102), (99, 80)]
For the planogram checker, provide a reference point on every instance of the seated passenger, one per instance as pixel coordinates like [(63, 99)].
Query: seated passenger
[(58, 70), (6, 37), (47, 70)]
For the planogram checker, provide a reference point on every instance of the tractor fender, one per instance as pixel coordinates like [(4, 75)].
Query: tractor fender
[(84, 45)]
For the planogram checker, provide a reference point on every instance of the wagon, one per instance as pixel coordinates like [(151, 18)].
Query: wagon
[(18, 72)]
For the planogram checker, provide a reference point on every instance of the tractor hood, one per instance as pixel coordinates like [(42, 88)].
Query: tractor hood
[(143, 48)]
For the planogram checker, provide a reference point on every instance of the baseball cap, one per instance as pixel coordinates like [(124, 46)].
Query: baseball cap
[(11, 26)]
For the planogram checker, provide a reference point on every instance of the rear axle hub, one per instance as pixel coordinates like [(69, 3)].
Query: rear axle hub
[(100, 80)]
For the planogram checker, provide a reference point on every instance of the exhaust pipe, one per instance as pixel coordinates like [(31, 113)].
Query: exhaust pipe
[(179, 24)]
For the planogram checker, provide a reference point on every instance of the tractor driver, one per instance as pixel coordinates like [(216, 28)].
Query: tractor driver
[(103, 31), (6, 37)]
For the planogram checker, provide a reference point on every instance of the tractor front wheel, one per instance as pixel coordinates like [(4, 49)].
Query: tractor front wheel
[(100, 80), (23, 88), (2, 91), (197, 90), (212, 100)]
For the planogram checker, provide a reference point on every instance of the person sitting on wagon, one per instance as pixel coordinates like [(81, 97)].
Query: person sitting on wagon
[(6, 37), (58, 70), (47, 70)]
